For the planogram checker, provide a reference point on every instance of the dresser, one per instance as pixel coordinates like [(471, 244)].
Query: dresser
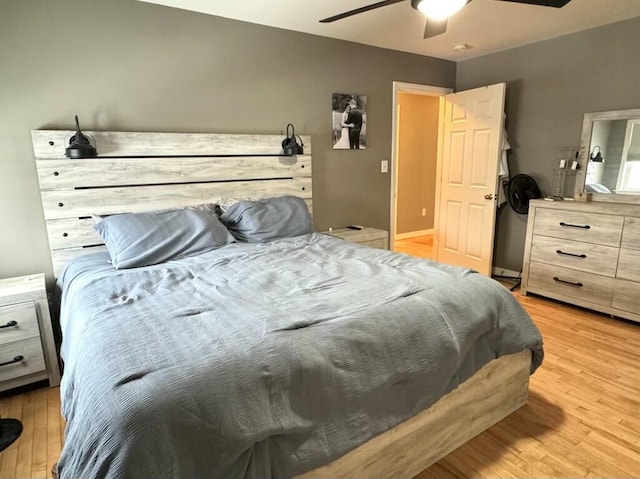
[(372, 237), (27, 348), (587, 254)]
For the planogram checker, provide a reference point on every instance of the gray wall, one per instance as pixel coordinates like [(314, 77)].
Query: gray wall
[(550, 85), (127, 65)]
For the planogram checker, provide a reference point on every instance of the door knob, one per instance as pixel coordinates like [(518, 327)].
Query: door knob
[(488, 197)]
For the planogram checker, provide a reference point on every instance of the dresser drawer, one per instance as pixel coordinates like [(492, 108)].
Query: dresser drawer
[(32, 362), (589, 287), (578, 226), (26, 322), (629, 265), (625, 296), (631, 233), (587, 257)]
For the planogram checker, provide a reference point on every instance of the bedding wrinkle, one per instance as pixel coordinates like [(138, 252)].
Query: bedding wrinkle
[(130, 377), (265, 360)]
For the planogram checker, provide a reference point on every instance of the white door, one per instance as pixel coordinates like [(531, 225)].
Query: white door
[(473, 123)]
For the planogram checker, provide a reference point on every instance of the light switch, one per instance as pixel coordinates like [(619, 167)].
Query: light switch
[(384, 166)]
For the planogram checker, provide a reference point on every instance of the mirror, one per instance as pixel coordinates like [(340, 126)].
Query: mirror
[(610, 157)]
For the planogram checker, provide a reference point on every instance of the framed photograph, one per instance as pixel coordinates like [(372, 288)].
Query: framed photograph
[(349, 118)]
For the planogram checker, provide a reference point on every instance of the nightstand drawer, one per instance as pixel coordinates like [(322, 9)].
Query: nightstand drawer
[(579, 226), (377, 243), (18, 321), (587, 257), (570, 283), (32, 358), (24, 310)]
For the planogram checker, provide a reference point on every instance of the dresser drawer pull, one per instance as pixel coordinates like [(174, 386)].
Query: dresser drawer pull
[(10, 324), (571, 254), (17, 359), (570, 283), (569, 225)]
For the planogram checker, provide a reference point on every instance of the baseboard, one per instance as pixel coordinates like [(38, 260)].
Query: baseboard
[(413, 234), (497, 271)]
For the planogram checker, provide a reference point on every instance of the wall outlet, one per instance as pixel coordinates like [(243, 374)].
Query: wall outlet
[(384, 166), (424, 212)]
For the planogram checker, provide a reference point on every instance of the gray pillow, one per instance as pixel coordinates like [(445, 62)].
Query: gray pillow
[(143, 239), (267, 219)]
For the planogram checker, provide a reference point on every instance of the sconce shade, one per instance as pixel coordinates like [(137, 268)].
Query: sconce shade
[(79, 145), (290, 145)]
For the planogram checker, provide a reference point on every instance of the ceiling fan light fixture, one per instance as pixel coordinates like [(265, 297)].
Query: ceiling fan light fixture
[(439, 9), (461, 47)]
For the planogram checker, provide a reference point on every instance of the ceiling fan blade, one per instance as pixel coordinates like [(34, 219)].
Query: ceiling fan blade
[(542, 3), (350, 13), (435, 27)]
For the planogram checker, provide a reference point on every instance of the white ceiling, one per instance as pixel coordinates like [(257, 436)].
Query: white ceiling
[(488, 25)]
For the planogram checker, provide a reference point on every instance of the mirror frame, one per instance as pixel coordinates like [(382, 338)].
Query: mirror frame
[(583, 156)]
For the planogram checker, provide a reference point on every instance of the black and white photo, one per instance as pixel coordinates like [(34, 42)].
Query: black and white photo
[(349, 121)]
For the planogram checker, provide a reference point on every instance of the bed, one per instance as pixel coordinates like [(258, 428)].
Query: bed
[(303, 356)]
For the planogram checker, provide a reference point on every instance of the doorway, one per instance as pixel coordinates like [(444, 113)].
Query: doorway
[(416, 138), (469, 146)]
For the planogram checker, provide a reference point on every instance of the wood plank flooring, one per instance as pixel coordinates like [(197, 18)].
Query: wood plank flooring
[(39, 446), (420, 246), (582, 419), (583, 414)]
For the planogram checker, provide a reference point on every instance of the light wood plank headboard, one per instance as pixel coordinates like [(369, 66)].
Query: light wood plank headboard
[(147, 171)]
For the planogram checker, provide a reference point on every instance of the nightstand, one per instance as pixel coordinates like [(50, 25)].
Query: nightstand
[(366, 236), (27, 348)]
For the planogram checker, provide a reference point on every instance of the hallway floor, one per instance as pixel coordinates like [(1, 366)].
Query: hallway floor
[(420, 246)]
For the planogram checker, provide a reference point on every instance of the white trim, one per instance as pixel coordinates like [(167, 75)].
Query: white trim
[(402, 87), (436, 203), (419, 89), (414, 234), (497, 271)]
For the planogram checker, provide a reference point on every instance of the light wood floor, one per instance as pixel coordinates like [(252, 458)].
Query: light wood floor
[(39, 446), (420, 246), (582, 419)]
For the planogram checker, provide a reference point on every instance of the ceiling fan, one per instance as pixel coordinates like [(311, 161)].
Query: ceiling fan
[(436, 11)]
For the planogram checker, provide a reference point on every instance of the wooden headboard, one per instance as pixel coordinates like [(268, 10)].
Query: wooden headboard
[(148, 171)]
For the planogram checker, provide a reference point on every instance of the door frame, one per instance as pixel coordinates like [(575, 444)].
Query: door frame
[(416, 89)]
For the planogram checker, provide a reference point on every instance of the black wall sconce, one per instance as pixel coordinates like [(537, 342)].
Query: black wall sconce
[(290, 144), (79, 145)]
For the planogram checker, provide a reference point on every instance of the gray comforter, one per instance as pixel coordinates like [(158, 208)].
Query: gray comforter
[(265, 360)]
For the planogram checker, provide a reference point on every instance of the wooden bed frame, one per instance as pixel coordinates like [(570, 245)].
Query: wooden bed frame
[(146, 171), (151, 171)]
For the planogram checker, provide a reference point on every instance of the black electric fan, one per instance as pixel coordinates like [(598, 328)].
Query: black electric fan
[(520, 190), (434, 27)]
